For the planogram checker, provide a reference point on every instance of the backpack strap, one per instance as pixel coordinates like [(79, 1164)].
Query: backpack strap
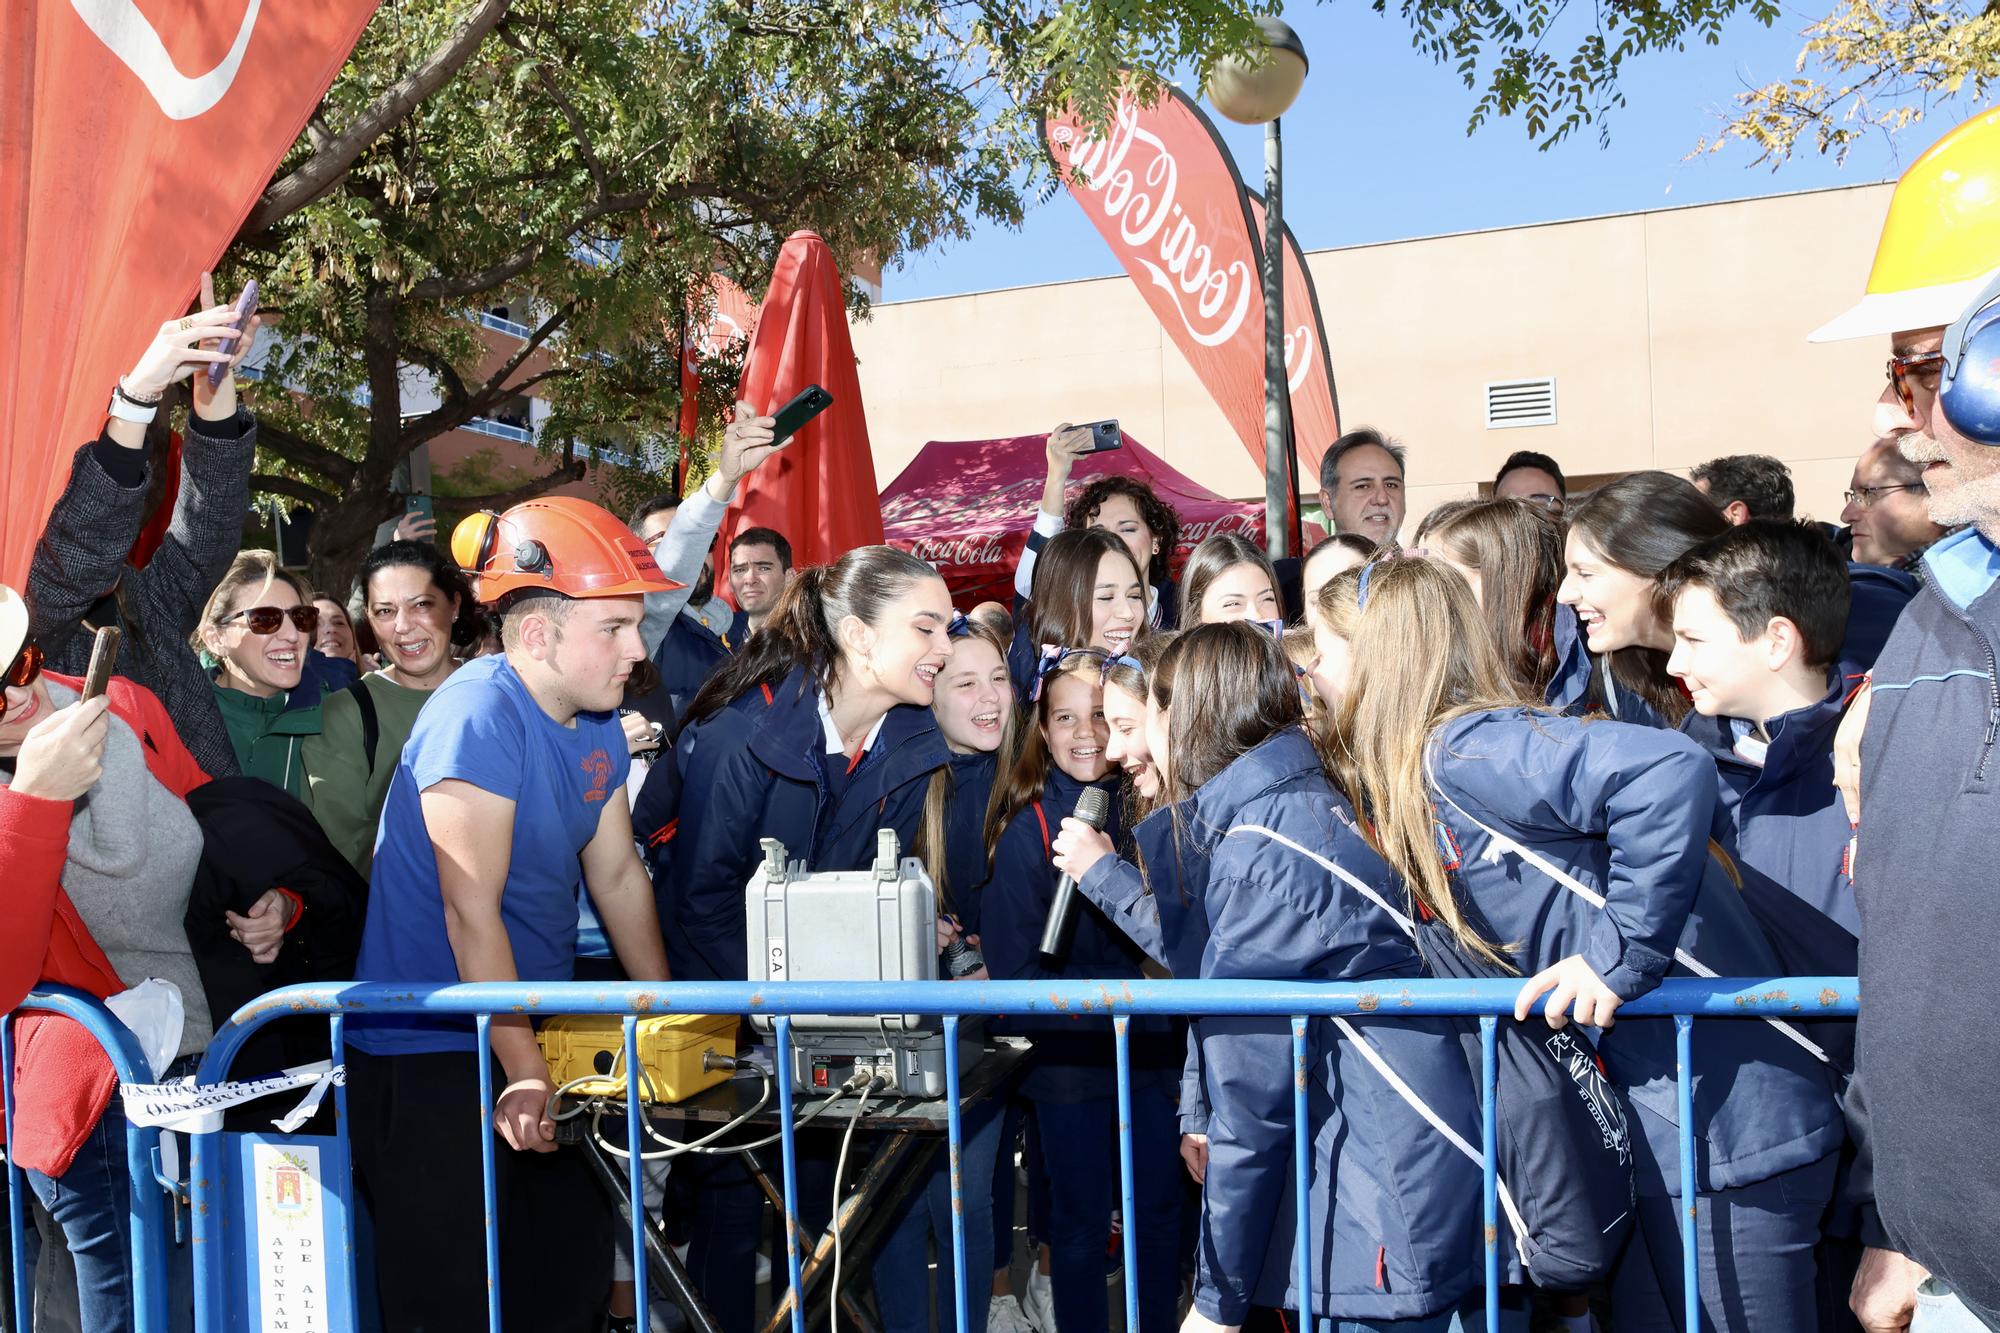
[(371, 721)]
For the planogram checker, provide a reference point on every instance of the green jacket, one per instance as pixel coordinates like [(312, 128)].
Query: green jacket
[(268, 737), (348, 785)]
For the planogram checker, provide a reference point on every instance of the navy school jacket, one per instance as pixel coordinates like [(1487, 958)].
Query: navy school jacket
[(691, 652), (965, 839), (1627, 812), (1569, 690), (1238, 876), (1074, 1059), (758, 769)]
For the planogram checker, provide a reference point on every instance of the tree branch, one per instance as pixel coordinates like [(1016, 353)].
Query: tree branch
[(485, 279), (262, 484), (568, 472), (598, 175), (330, 160), (454, 385), (496, 383), (335, 467)]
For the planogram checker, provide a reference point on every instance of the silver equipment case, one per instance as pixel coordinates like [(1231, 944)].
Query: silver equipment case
[(877, 924)]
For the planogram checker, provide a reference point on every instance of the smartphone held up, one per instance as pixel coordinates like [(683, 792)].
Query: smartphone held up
[(246, 306)]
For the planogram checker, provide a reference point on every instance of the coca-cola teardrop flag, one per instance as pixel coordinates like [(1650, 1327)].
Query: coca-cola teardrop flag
[(133, 140), (1308, 361), (1160, 187)]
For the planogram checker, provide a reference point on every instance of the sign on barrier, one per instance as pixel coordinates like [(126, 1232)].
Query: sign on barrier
[(291, 1234)]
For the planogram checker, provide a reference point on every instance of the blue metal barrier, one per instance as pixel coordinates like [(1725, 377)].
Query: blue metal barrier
[(148, 1196), (1683, 1000)]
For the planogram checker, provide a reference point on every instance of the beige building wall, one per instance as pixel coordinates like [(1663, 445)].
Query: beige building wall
[(1673, 336)]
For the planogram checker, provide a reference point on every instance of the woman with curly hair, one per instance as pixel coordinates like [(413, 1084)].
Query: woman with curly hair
[(1147, 525)]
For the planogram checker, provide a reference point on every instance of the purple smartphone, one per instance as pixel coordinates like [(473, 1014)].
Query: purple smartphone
[(246, 305)]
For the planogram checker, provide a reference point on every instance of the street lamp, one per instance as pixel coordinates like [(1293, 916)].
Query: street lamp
[(1256, 89)]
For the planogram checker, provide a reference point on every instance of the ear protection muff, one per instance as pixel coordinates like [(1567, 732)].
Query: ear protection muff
[(1969, 387)]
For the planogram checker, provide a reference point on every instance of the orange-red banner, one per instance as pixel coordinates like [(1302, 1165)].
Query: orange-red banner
[(134, 137), (1308, 361), (818, 490), (1158, 185)]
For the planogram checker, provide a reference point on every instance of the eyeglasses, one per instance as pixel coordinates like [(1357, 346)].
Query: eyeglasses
[(266, 619), (1899, 375), (22, 671), (1865, 497)]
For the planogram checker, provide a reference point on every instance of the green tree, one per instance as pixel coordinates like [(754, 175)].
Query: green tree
[(599, 159)]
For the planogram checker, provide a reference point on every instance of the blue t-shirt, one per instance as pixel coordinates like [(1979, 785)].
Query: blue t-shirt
[(483, 727)]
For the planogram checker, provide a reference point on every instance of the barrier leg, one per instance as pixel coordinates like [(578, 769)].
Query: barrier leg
[(1489, 1085), (1684, 1086), (635, 1168), (955, 1144), (484, 1055), (1121, 1031), (1302, 1164), (789, 1148), (17, 1213)]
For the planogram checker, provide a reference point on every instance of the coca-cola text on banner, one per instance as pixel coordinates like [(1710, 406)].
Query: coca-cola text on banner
[(1160, 187)]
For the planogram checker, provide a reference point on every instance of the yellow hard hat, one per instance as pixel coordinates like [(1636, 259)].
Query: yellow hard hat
[(1941, 241)]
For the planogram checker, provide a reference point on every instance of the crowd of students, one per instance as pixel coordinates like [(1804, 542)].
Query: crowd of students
[(1589, 741)]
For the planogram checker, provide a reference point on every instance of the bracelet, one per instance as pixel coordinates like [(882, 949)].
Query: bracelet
[(118, 390)]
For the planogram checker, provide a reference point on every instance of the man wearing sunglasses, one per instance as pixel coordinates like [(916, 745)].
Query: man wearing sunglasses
[(1924, 737)]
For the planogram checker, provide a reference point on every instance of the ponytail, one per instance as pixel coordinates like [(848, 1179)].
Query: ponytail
[(803, 627)]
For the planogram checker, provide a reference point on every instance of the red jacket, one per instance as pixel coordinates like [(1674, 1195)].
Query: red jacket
[(62, 1079)]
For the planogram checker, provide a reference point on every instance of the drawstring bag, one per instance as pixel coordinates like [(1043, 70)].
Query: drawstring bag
[(1565, 1150)]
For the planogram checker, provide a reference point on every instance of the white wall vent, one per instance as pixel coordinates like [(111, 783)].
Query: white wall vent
[(1520, 403)]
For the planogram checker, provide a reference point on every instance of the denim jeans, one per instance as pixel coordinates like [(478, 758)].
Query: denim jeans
[(1079, 1146), (901, 1279), (92, 1203)]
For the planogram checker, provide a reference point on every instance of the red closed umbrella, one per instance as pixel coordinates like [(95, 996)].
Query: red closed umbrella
[(819, 490)]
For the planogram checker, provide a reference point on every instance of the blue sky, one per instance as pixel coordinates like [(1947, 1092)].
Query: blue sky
[(1375, 150)]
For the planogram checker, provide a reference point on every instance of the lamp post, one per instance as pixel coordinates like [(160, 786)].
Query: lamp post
[(1257, 89)]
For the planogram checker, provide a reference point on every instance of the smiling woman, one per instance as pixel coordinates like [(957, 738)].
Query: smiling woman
[(258, 628), (816, 734)]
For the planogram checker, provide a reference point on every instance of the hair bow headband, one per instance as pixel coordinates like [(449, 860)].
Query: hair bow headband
[(1053, 656), (1368, 570), (960, 626)]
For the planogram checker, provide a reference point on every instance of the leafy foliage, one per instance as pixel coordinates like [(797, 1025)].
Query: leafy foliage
[(593, 162), (1890, 64)]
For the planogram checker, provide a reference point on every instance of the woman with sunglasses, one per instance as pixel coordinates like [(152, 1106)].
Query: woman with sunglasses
[(258, 629), (98, 854)]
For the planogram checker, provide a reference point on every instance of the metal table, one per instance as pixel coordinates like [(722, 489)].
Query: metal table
[(911, 1132)]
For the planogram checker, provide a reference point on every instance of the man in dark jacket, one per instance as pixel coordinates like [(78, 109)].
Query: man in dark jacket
[(1927, 1063)]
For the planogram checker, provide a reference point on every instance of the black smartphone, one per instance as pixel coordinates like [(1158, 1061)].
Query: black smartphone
[(1104, 435), (812, 401)]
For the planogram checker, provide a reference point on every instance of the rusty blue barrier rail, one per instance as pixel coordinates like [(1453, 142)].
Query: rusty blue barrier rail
[(1683, 1000)]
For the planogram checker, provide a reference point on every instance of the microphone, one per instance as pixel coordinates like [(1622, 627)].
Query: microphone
[(1092, 809)]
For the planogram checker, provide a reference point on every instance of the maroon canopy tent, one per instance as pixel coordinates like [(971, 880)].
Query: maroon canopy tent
[(966, 507)]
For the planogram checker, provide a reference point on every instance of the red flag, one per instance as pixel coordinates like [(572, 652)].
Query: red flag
[(132, 144), (819, 490), (1160, 188), (1308, 361)]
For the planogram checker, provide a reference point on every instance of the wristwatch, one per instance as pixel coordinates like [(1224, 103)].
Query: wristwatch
[(126, 407)]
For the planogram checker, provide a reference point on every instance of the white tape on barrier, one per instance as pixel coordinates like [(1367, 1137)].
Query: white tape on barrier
[(182, 1105)]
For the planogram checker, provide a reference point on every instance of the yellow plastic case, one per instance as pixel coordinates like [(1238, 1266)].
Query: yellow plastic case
[(671, 1047)]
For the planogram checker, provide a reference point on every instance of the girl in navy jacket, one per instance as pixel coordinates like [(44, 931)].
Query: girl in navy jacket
[(1089, 593), (1619, 540), (1585, 847), (1072, 1084), (817, 733), (1256, 871), (974, 704)]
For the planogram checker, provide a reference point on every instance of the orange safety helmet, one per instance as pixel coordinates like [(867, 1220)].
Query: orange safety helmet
[(557, 544)]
